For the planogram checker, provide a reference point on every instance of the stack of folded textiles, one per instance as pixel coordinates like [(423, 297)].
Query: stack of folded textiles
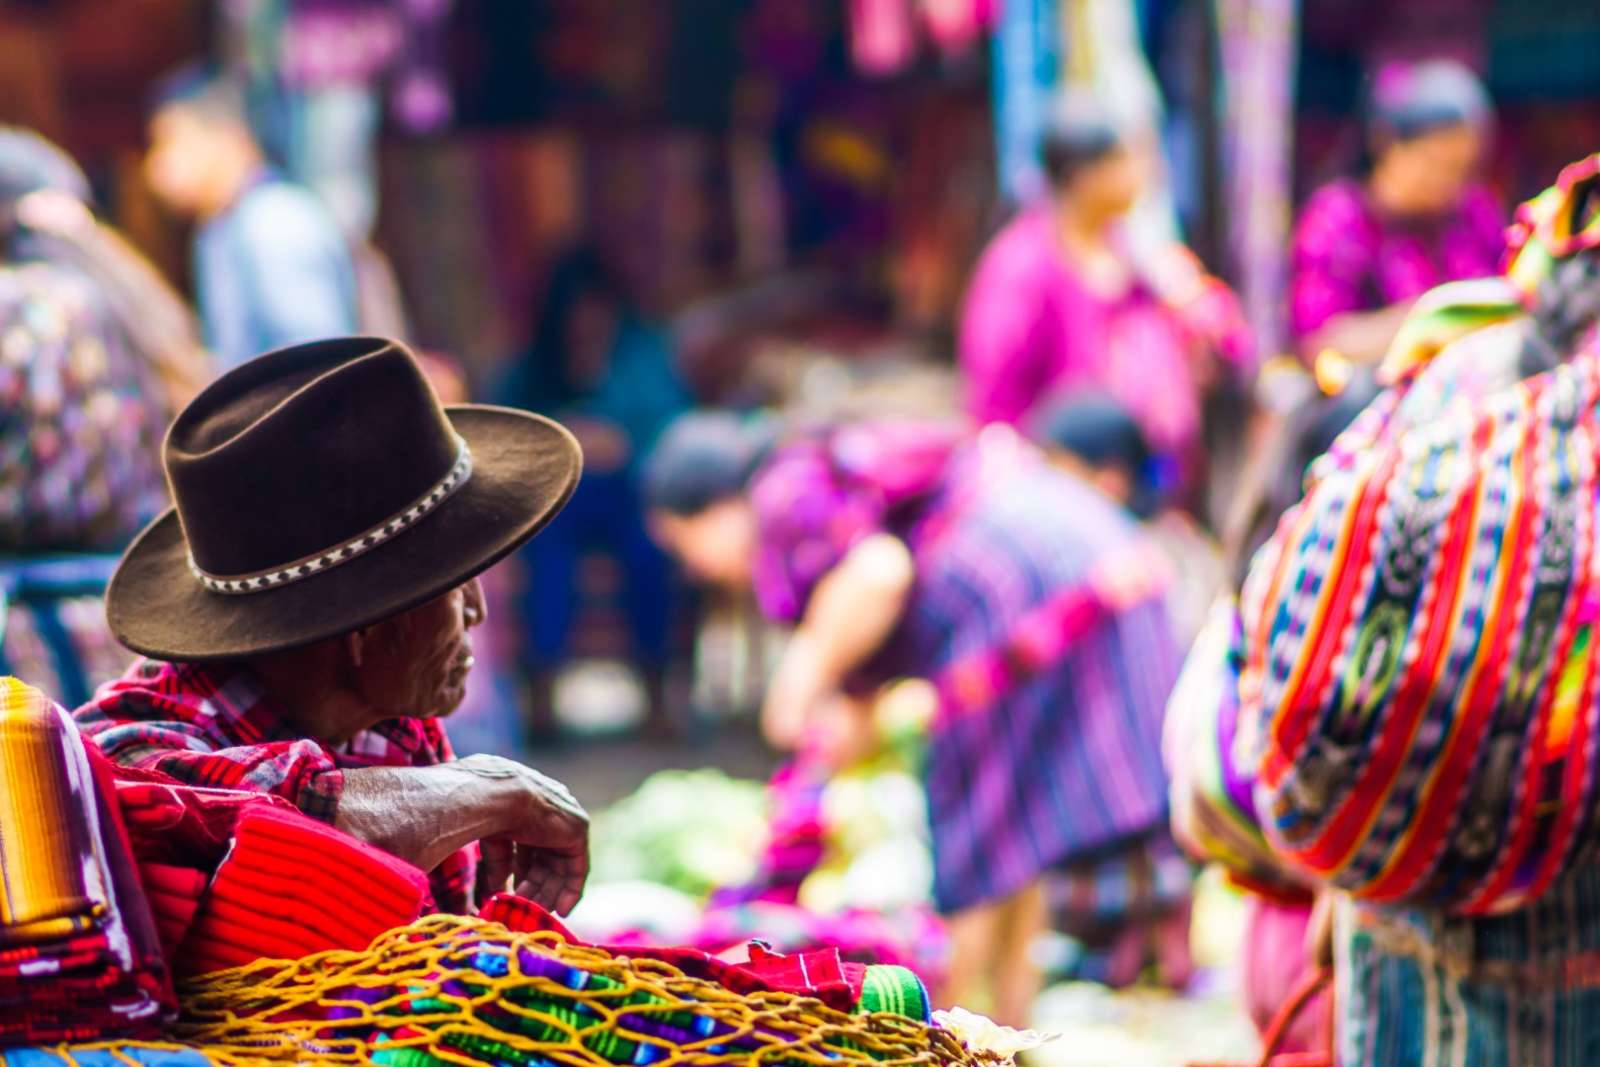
[(79, 955)]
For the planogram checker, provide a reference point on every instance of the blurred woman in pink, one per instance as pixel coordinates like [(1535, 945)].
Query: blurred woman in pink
[(1365, 247), (1062, 301)]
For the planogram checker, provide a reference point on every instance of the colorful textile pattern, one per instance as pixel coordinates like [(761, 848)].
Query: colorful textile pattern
[(1443, 316), (822, 974), (1418, 987), (1033, 332), (1418, 629), (211, 725), (80, 440), (79, 958), (1419, 636), (1213, 780), (1558, 223), (1064, 757), (1347, 257), (465, 991)]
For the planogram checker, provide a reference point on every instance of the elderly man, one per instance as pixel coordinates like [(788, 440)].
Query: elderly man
[(307, 607)]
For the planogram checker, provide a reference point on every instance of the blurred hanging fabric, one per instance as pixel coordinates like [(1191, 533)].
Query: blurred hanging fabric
[(1258, 42), (315, 71), (1024, 66), (882, 35)]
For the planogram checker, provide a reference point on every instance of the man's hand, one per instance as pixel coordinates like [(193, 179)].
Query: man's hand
[(531, 827), (544, 853)]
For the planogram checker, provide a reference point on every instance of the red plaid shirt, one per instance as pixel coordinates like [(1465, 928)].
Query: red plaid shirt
[(212, 725)]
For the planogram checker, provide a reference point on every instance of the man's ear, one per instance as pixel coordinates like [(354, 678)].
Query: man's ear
[(355, 647)]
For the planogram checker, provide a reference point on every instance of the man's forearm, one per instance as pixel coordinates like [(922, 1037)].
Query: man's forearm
[(423, 814)]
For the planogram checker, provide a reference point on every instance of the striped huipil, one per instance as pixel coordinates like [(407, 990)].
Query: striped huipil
[(1047, 747)]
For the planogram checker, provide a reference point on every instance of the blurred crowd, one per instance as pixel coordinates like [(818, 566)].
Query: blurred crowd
[(1038, 546)]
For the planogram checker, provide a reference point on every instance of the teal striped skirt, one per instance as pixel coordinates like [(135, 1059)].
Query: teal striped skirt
[(1417, 988)]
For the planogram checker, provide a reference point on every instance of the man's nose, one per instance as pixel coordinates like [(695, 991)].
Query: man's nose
[(475, 610)]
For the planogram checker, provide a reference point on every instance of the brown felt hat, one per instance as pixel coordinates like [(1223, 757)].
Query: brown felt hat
[(322, 488)]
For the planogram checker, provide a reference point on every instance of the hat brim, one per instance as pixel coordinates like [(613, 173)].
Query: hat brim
[(524, 470)]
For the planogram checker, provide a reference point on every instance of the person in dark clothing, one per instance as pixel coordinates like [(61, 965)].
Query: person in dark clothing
[(612, 376)]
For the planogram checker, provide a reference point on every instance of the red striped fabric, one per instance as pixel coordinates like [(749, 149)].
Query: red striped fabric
[(1421, 650), (292, 886)]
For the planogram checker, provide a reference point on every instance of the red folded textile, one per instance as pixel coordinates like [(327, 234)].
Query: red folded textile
[(174, 894), (291, 886), (822, 974)]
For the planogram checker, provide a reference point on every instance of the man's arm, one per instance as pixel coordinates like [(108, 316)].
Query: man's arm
[(532, 828)]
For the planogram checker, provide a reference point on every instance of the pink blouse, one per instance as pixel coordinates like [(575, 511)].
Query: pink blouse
[(1033, 333)]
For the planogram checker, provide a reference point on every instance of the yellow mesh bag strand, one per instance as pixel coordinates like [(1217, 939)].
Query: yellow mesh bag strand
[(276, 1011)]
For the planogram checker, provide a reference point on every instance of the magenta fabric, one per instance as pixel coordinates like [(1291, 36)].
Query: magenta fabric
[(1348, 257), (823, 974), (1274, 961), (822, 495), (1032, 334)]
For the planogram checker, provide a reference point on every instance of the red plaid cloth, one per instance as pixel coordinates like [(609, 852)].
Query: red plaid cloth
[(212, 725)]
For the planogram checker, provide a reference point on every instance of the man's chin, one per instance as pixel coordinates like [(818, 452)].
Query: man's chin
[(448, 704)]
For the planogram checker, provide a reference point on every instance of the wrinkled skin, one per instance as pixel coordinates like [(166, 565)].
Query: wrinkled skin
[(416, 664), (534, 835)]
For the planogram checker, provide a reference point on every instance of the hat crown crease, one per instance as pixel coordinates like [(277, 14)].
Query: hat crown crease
[(353, 445)]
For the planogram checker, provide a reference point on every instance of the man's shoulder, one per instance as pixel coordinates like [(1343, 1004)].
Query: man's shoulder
[(149, 689)]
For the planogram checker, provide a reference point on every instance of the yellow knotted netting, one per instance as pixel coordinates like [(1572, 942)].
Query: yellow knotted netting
[(463, 991)]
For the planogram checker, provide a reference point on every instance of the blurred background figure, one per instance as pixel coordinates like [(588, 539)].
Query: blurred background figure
[(1062, 302), (271, 266), (1095, 439), (839, 212), (96, 352), (1416, 216), (610, 375), (913, 549)]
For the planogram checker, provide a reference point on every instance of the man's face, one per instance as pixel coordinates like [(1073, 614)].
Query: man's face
[(416, 664), (178, 166)]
